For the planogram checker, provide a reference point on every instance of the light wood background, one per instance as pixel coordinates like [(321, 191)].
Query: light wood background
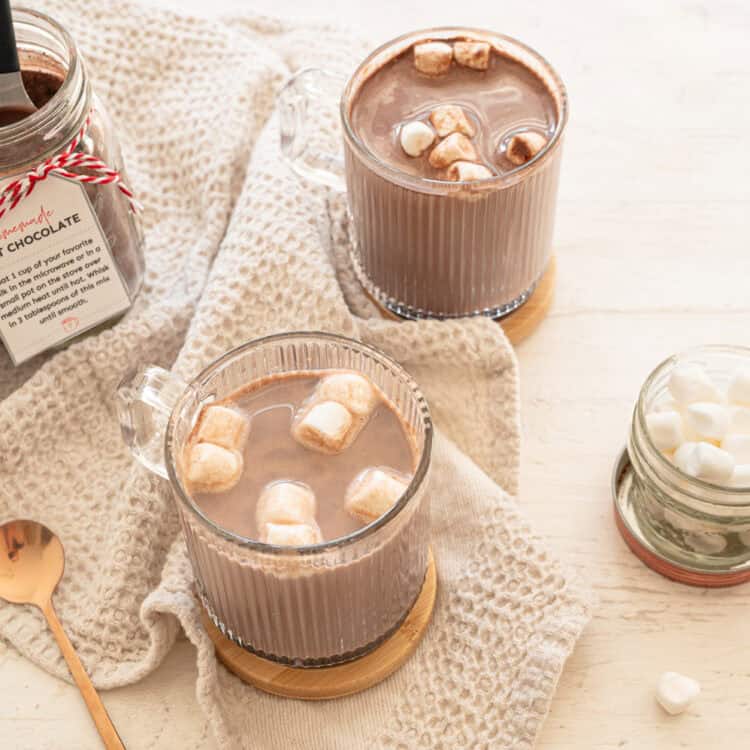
[(653, 257)]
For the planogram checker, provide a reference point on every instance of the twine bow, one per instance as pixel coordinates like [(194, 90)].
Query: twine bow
[(98, 173)]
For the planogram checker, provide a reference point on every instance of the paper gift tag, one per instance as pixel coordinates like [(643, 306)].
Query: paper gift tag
[(57, 274)]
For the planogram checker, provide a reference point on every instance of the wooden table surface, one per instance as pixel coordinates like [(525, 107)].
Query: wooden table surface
[(653, 257)]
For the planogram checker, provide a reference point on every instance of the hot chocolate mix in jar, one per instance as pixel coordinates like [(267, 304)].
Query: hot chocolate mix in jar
[(71, 244)]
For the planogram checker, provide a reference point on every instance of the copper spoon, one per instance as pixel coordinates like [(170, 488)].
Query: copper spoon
[(31, 566)]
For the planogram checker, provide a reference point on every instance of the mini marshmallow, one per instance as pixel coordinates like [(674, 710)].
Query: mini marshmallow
[(324, 427), (224, 427), (285, 502), (211, 468), (472, 54), (675, 692), (451, 118), (740, 476), (708, 420), (372, 493), (291, 534), (433, 58), (665, 429), (523, 147), (416, 137), (739, 420), (704, 461), (689, 383), (738, 446), (354, 391), (739, 387), (456, 147), (465, 171)]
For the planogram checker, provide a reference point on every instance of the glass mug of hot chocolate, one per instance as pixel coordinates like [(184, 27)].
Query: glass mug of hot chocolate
[(299, 465), (452, 147)]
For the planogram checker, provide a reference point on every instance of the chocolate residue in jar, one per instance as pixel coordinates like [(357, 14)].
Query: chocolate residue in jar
[(41, 86)]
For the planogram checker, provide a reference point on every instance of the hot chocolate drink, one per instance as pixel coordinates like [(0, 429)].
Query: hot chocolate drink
[(452, 161), (278, 467)]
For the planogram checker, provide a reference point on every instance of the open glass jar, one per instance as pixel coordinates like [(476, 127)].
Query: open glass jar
[(71, 252), (306, 606), (686, 528)]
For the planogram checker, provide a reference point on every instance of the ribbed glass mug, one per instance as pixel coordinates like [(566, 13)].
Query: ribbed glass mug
[(304, 606), (425, 248)]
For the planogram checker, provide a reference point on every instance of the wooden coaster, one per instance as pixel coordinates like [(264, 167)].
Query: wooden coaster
[(322, 683), (521, 323)]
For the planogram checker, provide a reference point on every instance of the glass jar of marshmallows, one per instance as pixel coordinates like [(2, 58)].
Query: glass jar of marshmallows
[(682, 488)]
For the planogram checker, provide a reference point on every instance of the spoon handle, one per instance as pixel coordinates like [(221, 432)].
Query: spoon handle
[(8, 52), (96, 708)]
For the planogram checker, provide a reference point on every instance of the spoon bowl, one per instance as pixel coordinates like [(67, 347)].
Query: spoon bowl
[(32, 561)]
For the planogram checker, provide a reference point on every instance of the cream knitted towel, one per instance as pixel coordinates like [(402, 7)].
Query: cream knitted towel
[(238, 249)]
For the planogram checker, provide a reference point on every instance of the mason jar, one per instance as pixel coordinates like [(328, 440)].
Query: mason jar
[(686, 528), (71, 251)]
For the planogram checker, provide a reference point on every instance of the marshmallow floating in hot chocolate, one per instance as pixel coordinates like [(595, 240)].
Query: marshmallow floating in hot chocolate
[(472, 54), (285, 502), (704, 431), (463, 171), (416, 137), (451, 118), (456, 147), (374, 492), (324, 427), (351, 390), (523, 147), (433, 58), (211, 468), (224, 427), (290, 535)]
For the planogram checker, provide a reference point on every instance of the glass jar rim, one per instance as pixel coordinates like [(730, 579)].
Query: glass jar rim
[(312, 549), (418, 182), (671, 473), (46, 114)]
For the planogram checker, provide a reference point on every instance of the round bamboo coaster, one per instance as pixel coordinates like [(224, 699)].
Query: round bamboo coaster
[(322, 683), (521, 323)]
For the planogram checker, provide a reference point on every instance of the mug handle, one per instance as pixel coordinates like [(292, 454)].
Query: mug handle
[(145, 399), (298, 143)]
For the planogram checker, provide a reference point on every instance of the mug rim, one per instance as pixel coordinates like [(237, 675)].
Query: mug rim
[(310, 549), (417, 181)]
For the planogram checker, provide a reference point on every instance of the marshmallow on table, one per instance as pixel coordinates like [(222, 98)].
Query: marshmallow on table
[(708, 420), (675, 692), (222, 426), (211, 468), (465, 171), (450, 118), (689, 383), (291, 534), (350, 389), (472, 54), (285, 502), (324, 427), (372, 493), (740, 476), (416, 137), (433, 58), (738, 446), (665, 429), (739, 388), (704, 461), (523, 147), (456, 147)]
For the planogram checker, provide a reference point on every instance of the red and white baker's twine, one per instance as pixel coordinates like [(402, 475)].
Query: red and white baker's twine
[(60, 164)]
